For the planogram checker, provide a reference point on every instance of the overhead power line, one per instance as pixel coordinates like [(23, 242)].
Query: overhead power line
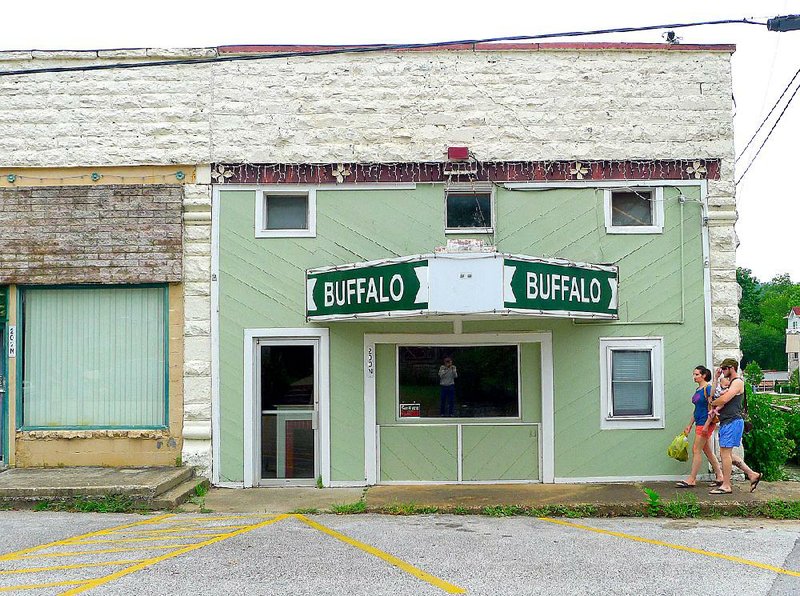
[(764, 142), (764, 121), (367, 48)]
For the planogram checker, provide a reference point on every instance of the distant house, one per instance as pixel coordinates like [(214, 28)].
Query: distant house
[(793, 338), (770, 378)]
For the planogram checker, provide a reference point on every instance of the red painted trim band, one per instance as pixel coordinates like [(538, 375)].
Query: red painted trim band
[(492, 171)]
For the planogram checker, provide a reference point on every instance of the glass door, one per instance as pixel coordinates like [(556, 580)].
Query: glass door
[(287, 382)]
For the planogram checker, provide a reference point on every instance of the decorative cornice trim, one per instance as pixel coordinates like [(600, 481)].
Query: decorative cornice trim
[(491, 171)]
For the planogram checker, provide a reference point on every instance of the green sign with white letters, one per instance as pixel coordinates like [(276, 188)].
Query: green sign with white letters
[(539, 285), (360, 290)]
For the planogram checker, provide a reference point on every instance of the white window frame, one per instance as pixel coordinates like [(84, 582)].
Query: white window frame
[(470, 188), (658, 211), (656, 347), (310, 231)]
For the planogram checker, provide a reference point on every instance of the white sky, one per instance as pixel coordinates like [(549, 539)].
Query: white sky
[(768, 201)]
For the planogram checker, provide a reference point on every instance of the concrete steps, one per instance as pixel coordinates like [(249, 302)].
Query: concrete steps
[(150, 488), (179, 494)]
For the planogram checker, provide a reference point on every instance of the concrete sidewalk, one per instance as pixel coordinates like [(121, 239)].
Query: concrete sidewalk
[(153, 488), (608, 499)]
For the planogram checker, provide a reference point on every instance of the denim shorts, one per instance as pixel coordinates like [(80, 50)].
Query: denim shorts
[(730, 434)]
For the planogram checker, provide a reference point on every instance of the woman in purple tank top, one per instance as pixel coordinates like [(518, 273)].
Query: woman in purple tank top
[(703, 430)]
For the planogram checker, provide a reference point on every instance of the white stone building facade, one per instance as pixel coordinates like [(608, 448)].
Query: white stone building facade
[(513, 102)]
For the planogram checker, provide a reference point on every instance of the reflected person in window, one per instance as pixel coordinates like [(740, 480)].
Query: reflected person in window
[(703, 429), (447, 388)]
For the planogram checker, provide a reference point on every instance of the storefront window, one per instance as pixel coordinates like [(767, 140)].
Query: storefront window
[(458, 381)]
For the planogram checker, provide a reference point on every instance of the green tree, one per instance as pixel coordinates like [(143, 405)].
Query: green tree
[(750, 304), (763, 344), (753, 374)]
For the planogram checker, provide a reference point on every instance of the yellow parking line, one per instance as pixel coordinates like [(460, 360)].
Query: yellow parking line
[(147, 562), (102, 550), (39, 586), (123, 540), (697, 551), (182, 529), (223, 517), (16, 554), (407, 567), (61, 567)]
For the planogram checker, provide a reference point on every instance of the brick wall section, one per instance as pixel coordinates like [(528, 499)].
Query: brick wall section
[(89, 235)]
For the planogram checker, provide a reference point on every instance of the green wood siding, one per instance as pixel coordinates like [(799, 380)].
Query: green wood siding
[(262, 285), (423, 453), (500, 452)]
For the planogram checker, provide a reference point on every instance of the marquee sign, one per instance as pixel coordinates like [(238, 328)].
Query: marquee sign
[(367, 289), (462, 284), (557, 287)]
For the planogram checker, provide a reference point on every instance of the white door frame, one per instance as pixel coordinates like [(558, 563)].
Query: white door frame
[(545, 339), (252, 405)]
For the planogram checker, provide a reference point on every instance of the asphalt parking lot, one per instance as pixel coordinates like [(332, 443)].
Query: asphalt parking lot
[(68, 553)]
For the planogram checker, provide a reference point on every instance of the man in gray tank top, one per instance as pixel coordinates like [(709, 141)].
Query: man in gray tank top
[(731, 427)]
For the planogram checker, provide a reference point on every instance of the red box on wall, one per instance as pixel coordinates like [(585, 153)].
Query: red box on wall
[(458, 153)]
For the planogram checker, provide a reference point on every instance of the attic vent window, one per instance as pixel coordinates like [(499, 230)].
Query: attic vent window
[(468, 211)]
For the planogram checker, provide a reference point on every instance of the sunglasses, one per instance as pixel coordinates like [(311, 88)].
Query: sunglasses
[(724, 367)]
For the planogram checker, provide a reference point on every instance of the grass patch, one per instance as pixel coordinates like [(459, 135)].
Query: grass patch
[(682, 506), (503, 510), (306, 511), (409, 509), (570, 511), (105, 504), (778, 509), (653, 502), (349, 508), (461, 510), (199, 496)]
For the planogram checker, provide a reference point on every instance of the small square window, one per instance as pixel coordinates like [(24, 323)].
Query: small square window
[(631, 383), (634, 210), (286, 213), (468, 211)]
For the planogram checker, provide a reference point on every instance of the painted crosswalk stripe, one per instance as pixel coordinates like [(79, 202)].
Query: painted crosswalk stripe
[(152, 561), (399, 563)]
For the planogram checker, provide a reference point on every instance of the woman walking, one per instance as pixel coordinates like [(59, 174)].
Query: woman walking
[(703, 431)]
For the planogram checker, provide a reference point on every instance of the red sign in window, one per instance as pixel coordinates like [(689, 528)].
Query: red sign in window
[(409, 410)]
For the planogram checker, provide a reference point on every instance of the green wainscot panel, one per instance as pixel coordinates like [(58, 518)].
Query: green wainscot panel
[(500, 452), (419, 453)]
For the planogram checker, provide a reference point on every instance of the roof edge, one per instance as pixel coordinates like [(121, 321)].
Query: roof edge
[(210, 52), (489, 47)]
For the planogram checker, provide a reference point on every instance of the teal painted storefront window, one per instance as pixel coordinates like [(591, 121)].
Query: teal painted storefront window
[(94, 357)]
